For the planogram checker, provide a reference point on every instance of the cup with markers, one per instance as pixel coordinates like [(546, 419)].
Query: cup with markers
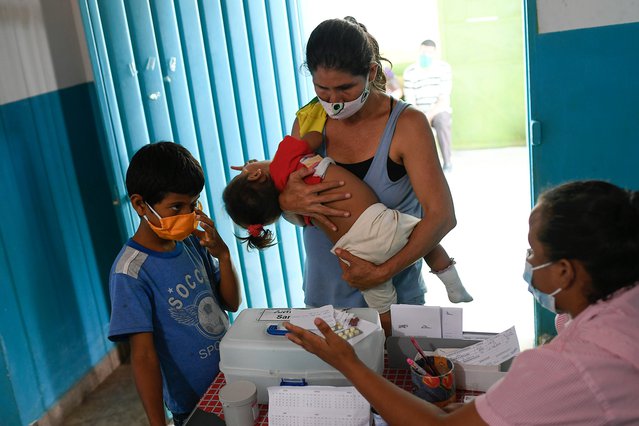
[(433, 377)]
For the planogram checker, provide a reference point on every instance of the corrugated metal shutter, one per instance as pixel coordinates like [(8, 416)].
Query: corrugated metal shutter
[(221, 78)]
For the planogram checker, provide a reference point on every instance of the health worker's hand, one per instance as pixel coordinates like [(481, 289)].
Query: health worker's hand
[(308, 200), (360, 273), (332, 349), (209, 238)]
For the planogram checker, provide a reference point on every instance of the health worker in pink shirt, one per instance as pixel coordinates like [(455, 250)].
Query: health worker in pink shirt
[(583, 262)]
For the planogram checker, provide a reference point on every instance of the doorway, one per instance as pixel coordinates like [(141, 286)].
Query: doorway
[(490, 180)]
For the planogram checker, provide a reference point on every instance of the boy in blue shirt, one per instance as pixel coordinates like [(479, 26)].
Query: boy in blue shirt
[(170, 283)]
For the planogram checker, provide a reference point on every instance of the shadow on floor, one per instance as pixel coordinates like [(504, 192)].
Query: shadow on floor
[(114, 402)]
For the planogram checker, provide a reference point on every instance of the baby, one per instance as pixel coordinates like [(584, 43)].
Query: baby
[(372, 232)]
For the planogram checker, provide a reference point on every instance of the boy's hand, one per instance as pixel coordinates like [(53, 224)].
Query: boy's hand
[(228, 284), (209, 238)]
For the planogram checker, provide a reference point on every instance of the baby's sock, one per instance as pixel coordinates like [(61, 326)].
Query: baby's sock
[(454, 287)]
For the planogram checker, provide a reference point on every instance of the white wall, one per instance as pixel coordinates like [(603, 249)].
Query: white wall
[(553, 15), (42, 48), (399, 26)]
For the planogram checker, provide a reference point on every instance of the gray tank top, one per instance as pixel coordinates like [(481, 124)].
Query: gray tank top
[(322, 274)]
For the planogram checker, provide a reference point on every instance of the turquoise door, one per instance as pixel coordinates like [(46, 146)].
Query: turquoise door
[(219, 77), (583, 96)]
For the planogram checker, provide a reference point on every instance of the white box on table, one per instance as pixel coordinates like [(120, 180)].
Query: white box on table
[(467, 377), (477, 377), (248, 352)]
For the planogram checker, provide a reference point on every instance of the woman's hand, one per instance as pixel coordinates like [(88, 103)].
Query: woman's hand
[(360, 273), (209, 238), (308, 200), (332, 349)]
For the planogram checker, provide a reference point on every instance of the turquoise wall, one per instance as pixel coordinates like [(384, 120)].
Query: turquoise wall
[(58, 236), (583, 102)]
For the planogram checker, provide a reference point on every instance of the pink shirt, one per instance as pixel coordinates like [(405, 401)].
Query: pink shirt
[(587, 375)]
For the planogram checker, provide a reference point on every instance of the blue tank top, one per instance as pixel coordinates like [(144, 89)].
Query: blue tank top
[(322, 274)]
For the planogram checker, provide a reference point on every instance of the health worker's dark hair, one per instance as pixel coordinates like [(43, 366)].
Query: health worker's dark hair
[(596, 223)]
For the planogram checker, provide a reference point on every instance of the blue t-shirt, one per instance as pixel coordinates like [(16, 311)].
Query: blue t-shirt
[(175, 296)]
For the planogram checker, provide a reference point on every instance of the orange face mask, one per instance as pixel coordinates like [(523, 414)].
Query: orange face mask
[(174, 227)]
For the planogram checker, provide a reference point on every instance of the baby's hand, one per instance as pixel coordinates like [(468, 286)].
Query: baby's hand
[(209, 238), (241, 168)]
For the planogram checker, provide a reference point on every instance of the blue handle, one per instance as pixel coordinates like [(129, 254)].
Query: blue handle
[(293, 382), (274, 331)]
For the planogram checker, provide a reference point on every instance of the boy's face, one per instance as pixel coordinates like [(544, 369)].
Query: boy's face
[(172, 205)]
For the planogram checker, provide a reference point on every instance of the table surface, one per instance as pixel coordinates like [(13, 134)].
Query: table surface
[(211, 403)]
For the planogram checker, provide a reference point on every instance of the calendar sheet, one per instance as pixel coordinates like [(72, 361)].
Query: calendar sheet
[(317, 406)]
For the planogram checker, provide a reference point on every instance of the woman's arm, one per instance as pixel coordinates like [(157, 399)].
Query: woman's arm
[(395, 405), (302, 199), (147, 375), (414, 147)]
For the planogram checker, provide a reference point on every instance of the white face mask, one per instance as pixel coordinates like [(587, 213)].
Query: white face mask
[(342, 110), (544, 299)]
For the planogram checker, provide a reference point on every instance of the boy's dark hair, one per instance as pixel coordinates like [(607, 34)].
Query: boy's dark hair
[(253, 203), (596, 223), (345, 45), (163, 167)]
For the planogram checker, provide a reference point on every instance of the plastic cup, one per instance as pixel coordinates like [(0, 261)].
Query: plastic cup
[(377, 419), (239, 403), (438, 388)]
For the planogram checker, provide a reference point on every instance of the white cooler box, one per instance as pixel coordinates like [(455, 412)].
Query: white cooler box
[(248, 352)]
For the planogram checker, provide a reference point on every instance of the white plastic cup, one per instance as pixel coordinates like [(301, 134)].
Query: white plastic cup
[(239, 402), (377, 419)]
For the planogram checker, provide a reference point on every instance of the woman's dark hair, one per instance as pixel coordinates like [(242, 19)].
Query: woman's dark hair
[(162, 167), (253, 203), (596, 223), (345, 45)]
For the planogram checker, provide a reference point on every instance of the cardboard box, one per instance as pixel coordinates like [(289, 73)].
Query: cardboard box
[(467, 377), (248, 352)]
